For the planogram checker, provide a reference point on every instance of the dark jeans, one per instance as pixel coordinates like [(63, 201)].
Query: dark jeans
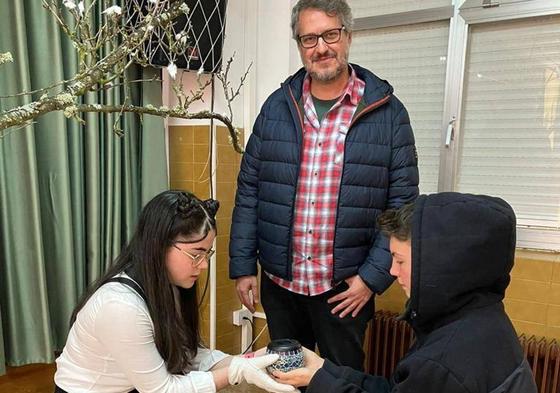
[(308, 319)]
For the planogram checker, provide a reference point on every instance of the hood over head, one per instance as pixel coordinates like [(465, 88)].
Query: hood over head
[(463, 249)]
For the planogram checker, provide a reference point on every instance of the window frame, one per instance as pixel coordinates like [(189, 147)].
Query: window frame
[(470, 13)]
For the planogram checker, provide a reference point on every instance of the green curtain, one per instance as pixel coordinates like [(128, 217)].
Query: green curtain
[(69, 193)]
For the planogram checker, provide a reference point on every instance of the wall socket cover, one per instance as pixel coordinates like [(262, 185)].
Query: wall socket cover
[(238, 316)]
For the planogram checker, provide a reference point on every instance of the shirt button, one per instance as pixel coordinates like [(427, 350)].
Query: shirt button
[(310, 231), (315, 173), (320, 144), (308, 258), (312, 202)]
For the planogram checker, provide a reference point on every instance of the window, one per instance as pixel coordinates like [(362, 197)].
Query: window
[(511, 117), (510, 131), (481, 81)]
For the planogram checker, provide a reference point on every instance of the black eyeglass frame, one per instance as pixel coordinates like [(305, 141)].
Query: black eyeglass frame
[(199, 258), (322, 35)]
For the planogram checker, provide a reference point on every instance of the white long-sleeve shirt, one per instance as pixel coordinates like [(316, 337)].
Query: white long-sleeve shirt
[(111, 349)]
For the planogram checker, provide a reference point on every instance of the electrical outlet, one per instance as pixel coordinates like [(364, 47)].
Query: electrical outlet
[(239, 315)]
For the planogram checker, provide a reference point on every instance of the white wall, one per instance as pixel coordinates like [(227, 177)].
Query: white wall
[(270, 47), (273, 46)]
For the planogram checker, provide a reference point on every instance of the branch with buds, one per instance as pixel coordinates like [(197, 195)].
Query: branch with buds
[(102, 69)]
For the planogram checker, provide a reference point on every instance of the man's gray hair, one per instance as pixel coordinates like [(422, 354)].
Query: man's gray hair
[(338, 8)]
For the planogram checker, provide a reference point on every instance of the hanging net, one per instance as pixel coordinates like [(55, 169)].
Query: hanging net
[(193, 41)]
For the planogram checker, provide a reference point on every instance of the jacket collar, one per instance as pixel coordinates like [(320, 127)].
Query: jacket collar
[(376, 89)]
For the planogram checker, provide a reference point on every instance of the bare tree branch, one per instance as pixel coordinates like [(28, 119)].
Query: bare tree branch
[(123, 46), (176, 112)]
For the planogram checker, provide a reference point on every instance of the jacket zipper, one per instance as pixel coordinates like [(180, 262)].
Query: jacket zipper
[(300, 116), (367, 109)]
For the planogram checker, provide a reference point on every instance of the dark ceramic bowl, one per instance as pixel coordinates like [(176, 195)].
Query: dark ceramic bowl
[(290, 352)]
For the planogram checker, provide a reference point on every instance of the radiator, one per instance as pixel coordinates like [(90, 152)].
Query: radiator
[(389, 340), (544, 358)]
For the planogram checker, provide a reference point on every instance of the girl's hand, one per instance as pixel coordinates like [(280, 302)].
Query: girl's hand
[(253, 371)]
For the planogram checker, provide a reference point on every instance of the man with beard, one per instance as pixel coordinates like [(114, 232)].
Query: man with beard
[(330, 149)]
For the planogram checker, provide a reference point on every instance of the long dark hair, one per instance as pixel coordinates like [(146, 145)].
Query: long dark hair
[(174, 310)]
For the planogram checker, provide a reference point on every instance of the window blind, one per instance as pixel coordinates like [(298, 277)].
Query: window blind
[(510, 144), (413, 59)]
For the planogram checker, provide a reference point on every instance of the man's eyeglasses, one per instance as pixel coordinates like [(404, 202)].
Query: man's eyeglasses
[(198, 258), (331, 36)]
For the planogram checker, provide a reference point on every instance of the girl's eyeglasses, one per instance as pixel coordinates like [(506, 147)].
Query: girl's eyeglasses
[(198, 258)]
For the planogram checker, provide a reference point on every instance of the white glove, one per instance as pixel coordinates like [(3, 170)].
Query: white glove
[(253, 371)]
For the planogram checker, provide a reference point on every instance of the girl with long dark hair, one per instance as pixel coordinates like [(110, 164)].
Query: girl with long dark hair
[(137, 327)]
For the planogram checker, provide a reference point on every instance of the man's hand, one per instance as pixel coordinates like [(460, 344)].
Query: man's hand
[(301, 376), (244, 286), (353, 299)]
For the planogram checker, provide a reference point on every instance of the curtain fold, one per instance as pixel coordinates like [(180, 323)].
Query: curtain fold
[(2, 358), (69, 193)]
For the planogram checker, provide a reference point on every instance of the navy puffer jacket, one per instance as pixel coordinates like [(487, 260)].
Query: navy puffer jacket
[(380, 171)]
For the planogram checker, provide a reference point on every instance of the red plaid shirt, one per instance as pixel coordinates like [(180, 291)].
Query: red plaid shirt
[(317, 191)]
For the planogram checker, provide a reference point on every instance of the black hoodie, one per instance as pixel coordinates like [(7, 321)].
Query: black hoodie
[(462, 253)]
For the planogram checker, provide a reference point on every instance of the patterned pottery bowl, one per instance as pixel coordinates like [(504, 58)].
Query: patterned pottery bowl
[(290, 352)]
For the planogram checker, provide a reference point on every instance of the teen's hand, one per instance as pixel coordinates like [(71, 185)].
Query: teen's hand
[(253, 371), (353, 299), (301, 376), (244, 285)]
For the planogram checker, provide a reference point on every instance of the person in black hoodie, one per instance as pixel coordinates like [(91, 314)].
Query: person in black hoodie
[(452, 254)]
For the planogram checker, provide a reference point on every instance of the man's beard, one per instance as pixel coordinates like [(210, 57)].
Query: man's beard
[(330, 75), (327, 75)]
